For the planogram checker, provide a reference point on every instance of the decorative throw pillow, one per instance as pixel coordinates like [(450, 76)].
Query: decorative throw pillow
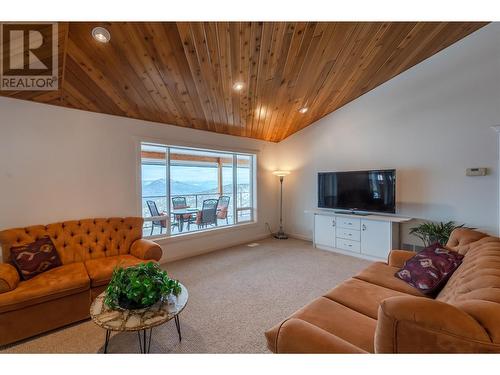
[(35, 258), (430, 269)]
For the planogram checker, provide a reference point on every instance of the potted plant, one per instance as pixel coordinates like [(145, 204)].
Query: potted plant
[(430, 232), (139, 286)]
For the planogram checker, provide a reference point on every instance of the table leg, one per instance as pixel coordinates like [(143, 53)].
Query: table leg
[(144, 341), (178, 326), (140, 341), (106, 342), (150, 334)]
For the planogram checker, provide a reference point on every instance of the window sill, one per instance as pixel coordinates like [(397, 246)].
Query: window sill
[(200, 234)]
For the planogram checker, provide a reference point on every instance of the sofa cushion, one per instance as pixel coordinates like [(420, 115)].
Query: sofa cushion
[(430, 269), (101, 269), (339, 320), (361, 296), (55, 283), (299, 336), (34, 258), (381, 274)]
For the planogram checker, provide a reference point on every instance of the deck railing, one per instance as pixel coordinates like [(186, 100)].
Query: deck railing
[(192, 200)]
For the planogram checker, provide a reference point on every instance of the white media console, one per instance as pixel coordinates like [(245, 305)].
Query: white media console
[(365, 236)]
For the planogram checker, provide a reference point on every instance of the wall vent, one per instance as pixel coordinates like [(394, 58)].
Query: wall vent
[(411, 247)]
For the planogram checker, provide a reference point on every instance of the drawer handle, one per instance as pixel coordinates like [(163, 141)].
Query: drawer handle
[(349, 245), (333, 223), (364, 227)]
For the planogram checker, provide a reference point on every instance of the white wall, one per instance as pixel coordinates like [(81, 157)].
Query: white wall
[(430, 123), (60, 164)]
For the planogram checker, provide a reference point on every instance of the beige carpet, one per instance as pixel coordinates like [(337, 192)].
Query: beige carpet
[(234, 296)]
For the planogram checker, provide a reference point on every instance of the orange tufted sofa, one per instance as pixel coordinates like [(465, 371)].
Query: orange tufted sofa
[(374, 312), (89, 250)]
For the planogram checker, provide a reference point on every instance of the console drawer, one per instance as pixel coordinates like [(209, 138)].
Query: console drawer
[(348, 245), (349, 223), (349, 234)]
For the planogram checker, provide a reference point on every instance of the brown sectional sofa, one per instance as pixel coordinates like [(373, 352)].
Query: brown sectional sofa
[(89, 250), (374, 312)]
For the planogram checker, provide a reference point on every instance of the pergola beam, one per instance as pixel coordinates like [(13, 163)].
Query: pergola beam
[(183, 157)]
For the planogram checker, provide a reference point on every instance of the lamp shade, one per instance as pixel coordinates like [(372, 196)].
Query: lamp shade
[(281, 173)]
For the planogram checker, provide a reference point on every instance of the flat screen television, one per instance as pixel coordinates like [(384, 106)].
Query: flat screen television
[(367, 191)]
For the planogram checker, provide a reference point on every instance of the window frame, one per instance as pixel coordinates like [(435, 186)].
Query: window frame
[(252, 154)]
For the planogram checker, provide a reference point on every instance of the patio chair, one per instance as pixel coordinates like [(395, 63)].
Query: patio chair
[(153, 210), (208, 213), (223, 207), (179, 203)]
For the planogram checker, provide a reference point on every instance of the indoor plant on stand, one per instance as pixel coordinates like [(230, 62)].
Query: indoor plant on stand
[(139, 286)]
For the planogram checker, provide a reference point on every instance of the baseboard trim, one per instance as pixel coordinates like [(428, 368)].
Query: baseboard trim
[(216, 248), (350, 253), (300, 237)]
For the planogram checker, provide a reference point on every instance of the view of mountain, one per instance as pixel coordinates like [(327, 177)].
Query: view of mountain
[(158, 188)]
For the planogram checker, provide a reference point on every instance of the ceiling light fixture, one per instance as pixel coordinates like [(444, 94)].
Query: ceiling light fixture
[(101, 34), (261, 111), (238, 86), (303, 110)]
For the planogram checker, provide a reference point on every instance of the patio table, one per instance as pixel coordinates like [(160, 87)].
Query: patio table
[(180, 212)]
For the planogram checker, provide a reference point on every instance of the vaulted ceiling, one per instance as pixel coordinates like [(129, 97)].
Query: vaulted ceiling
[(183, 73)]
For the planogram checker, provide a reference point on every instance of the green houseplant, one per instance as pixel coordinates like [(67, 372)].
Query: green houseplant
[(139, 286), (430, 232)]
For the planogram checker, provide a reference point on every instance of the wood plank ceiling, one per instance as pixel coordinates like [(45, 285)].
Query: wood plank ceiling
[(183, 73)]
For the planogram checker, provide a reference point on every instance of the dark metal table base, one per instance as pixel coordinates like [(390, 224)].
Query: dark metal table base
[(144, 338)]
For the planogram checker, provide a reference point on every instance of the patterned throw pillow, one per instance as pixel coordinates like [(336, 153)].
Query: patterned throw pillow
[(430, 269), (35, 258)]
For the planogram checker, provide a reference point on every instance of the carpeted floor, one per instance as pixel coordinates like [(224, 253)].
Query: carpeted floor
[(235, 294)]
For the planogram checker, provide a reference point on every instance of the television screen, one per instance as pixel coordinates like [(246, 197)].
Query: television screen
[(371, 191)]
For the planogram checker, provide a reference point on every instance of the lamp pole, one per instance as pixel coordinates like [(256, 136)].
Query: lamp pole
[(281, 233)]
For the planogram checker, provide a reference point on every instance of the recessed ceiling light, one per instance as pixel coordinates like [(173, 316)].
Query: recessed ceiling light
[(303, 110), (101, 34), (238, 86), (261, 111)]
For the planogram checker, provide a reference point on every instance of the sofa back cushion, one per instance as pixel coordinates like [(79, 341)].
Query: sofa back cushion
[(79, 240), (478, 277), (461, 239)]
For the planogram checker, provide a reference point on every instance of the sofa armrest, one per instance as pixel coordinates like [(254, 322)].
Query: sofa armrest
[(146, 249), (9, 277), (422, 325), (397, 258)]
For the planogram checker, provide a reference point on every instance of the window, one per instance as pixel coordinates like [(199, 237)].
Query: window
[(188, 190)]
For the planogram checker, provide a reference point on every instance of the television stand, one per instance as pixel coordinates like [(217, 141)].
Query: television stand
[(369, 236), (353, 213)]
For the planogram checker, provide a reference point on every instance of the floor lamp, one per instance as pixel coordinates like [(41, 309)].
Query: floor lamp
[(281, 234)]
